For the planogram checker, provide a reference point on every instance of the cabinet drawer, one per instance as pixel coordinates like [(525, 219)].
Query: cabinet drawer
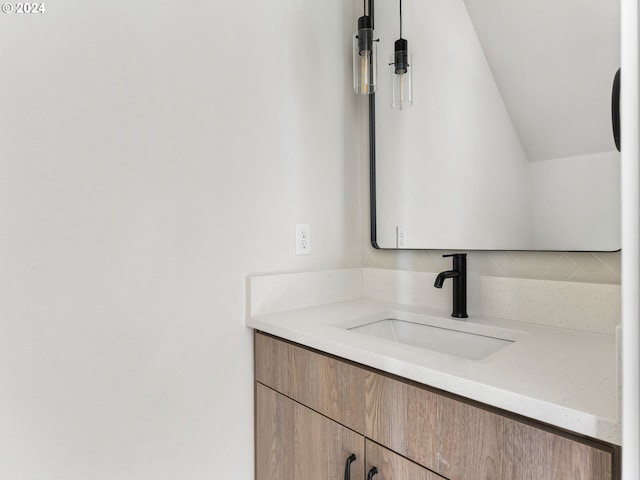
[(325, 384), (463, 442)]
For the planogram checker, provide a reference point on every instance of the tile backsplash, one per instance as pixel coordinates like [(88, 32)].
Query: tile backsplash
[(585, 267), (589, 307)]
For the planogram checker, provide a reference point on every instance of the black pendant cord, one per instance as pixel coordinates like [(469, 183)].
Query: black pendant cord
[(400, 18), (372, 158)]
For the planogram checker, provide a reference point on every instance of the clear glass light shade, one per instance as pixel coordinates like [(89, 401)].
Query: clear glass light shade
[(401, 80), (365, 64)]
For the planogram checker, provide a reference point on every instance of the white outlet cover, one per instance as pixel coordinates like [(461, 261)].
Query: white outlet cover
[(401, 237), (303, 239)]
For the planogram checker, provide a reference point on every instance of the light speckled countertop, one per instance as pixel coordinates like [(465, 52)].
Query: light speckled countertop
[(562, 377)]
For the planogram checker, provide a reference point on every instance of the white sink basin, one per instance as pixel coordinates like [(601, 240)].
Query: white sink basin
[(453, 337)]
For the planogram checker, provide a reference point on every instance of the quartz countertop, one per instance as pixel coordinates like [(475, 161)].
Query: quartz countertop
[(562, 377)]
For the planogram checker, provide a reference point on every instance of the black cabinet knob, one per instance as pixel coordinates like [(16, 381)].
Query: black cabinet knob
[(371, 473)]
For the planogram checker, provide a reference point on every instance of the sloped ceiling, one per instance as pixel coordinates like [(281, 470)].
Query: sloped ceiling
[(554, 62)]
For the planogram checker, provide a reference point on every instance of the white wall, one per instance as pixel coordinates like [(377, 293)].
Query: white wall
[(152, 154), (570, 195)]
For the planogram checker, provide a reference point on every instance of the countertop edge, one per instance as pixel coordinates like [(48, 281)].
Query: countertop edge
[(579, 422)]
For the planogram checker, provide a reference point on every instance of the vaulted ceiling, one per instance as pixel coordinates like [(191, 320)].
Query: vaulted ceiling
[(554, 62)]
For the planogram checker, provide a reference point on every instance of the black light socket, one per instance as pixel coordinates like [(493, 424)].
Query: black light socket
[(365, 35), (401, 56)]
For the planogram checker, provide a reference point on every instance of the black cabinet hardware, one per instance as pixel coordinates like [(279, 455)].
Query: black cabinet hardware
[(371, 473), (347, 467)]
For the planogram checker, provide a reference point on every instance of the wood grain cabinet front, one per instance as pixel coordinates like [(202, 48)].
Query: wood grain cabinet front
[(295, 443), (389, 465), (327, 407), (464, 442), (323, 383)]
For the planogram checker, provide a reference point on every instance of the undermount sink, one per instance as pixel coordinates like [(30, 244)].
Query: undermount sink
[(436, 334)]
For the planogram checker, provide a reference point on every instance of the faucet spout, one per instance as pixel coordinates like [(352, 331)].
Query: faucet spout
[(459, 276), (442, 276)]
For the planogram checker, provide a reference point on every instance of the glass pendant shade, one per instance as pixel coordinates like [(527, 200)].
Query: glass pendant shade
[(401, 76), (365, 53)]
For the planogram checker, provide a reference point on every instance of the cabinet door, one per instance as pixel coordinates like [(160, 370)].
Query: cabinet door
[(464, 442), (391, 466), (296, 443)]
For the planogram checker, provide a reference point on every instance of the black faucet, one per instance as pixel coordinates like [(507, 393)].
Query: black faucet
[(459, 276)]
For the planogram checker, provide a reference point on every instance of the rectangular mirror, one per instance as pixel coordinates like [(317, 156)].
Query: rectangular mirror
[(508, 144)]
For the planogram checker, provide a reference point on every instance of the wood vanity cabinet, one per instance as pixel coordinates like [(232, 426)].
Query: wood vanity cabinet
[(406, 430), (295, 443)]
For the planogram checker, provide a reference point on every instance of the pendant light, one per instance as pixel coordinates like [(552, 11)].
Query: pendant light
[(365, 52), (401, 72)]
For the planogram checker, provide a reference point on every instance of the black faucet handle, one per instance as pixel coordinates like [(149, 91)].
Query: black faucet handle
[(458, 255)]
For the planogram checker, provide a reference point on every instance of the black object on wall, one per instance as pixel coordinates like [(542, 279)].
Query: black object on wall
[(615, 109)]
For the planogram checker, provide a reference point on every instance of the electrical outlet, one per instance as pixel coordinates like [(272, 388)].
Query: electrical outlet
[(401, 237), (303, 239)]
